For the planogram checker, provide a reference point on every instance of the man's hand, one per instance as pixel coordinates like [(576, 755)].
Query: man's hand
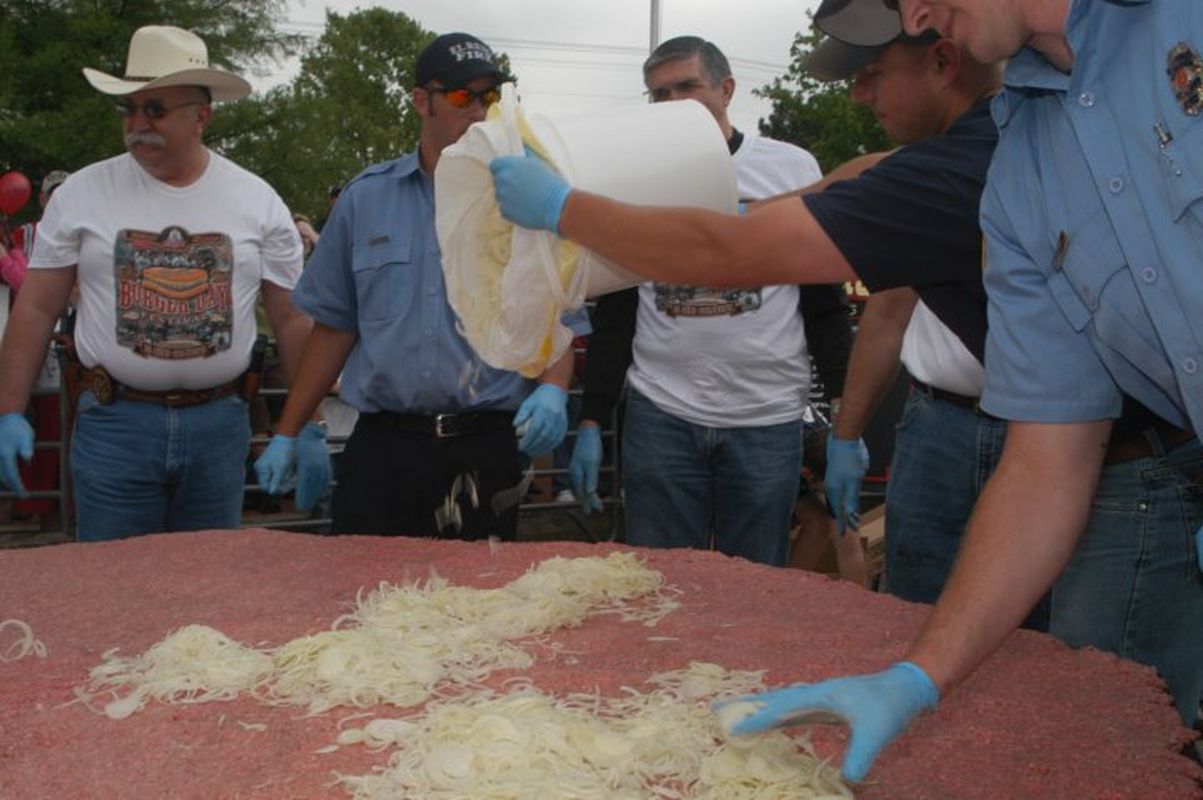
[(876, 707), (313, 466), (16, 439), (586, 462), (847, 462), (277, 467), (529, 192), (542, 420)]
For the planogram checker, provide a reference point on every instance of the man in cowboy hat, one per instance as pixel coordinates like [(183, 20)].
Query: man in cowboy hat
[(171, 244), (434, 451)]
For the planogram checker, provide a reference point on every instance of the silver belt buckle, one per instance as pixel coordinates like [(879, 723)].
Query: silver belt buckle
[(439, 431)]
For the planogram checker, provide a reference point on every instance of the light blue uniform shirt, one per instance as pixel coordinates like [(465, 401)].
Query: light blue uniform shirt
[(1094, 225), (377, 271)]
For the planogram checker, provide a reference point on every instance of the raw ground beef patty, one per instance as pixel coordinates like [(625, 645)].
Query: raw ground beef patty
[(1038, 721)]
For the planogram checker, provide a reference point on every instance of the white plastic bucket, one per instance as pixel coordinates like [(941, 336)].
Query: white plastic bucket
[(663, 154)]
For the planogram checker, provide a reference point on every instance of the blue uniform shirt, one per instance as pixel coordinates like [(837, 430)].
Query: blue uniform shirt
[(377, 271), (1093, 216)]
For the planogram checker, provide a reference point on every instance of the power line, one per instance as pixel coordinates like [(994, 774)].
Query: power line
[(505, 43)]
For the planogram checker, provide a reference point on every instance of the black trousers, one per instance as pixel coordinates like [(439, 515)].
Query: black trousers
[(394, 482)]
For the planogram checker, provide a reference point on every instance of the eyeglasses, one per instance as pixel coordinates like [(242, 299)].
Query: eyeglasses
[(891, 4), (151, 109), (687, 87), (463, 96)]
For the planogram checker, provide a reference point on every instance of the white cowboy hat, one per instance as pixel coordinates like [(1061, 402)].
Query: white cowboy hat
[(162, 55)]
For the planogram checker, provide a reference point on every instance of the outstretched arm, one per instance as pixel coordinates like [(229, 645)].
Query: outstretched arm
[(781, 243)]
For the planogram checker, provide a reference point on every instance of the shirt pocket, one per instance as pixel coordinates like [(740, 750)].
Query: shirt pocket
[(384, 277), (1096, 291), (1083, 265)]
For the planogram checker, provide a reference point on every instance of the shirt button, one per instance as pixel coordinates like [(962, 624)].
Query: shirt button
[(1116, 185), (1149, 275), (434, 249), (425, 373), (1086, 99), (429, 331), (1190, 366)]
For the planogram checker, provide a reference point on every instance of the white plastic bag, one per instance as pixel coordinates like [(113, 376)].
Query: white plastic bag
[(509, 285)]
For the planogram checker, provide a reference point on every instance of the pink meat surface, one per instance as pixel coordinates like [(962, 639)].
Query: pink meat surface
[(1038, 721)]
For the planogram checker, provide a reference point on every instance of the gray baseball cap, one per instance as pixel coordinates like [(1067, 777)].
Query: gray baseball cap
[(864, 23), (858, 31)]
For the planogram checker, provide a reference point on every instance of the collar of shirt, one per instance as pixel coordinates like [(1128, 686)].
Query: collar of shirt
[(1028, 71), (401, 167)]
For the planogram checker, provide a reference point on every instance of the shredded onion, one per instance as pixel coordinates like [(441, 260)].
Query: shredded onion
[(196, 664), (664, 743), (26, 644), (399, 645)]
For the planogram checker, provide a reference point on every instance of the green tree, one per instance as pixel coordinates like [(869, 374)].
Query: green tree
[(50, 118), (819, 116), (348, 107)]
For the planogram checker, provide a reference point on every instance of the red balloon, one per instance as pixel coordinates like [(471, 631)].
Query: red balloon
[(14, 192)]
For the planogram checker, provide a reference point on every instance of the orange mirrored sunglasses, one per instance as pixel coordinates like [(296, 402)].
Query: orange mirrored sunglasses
[(463, 96)]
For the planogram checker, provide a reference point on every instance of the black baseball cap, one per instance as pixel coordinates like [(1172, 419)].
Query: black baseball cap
[(455, 60), (858, 31)]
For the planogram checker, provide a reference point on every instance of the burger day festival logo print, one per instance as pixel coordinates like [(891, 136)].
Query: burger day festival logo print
[(173, 292)]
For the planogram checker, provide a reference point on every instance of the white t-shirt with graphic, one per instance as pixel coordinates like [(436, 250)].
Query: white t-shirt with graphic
[(729, 358), (168, 276)]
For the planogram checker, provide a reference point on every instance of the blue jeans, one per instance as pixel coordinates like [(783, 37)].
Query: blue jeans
[(144, 468), (681, 481), (1133, 585), (943, 455)]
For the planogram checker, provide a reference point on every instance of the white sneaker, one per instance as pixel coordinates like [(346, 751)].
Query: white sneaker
[(565, 496)]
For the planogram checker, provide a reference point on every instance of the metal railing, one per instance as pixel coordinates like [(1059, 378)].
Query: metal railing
[(65, 529)]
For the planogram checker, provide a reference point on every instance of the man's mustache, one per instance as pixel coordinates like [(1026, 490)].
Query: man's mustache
[(145, 137)]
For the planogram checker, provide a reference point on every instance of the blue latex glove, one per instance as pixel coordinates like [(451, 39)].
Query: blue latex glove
[(586, 462), (529, 191), (877, 707), (847, 463), (1199, 547), (16, 439), (542, 420), (313, 466), (277, 467)]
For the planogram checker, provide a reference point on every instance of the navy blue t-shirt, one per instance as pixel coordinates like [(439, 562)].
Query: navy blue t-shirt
[(912, 220)]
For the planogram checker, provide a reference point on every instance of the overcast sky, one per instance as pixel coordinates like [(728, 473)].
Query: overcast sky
[(583, 56)]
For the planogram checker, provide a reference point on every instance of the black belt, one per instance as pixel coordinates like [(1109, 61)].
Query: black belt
[(962, 400), (1155, 439), (444, 426)]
